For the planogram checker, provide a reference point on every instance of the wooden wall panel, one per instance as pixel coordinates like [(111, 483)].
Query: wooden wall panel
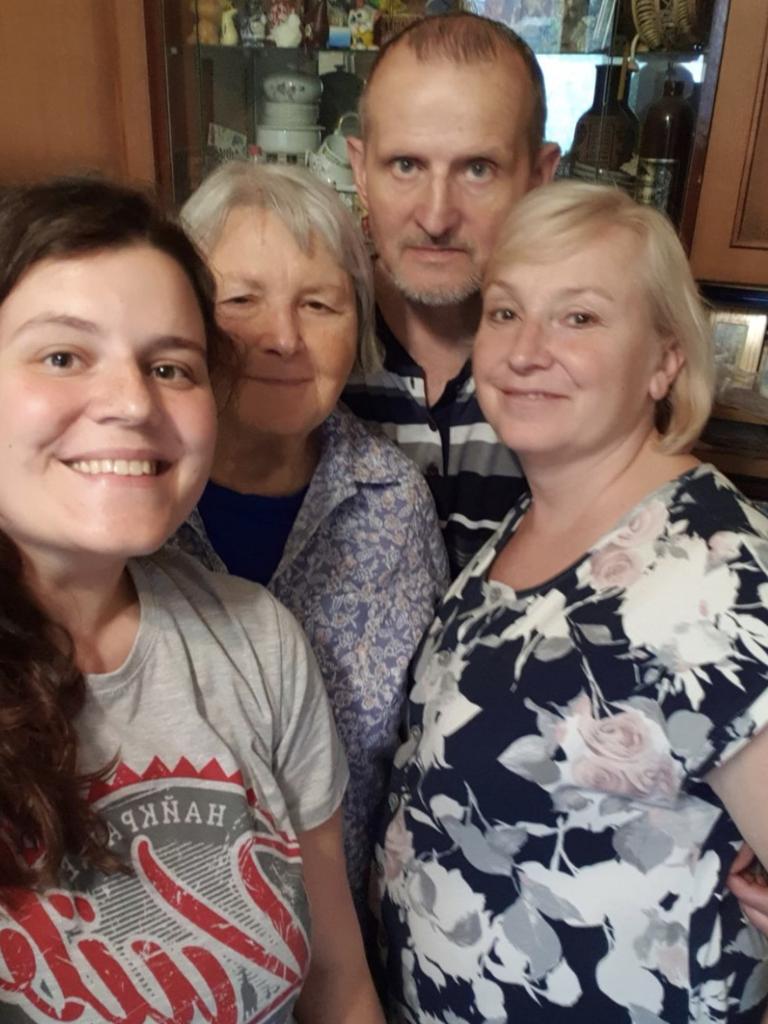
[(730, 241), (74, 91), (753, 226)]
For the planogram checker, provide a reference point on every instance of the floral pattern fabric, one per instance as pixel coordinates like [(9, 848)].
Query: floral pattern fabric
[(363, 569), (553, 851)]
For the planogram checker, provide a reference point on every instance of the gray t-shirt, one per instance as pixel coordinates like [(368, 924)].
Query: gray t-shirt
[(225, 750)]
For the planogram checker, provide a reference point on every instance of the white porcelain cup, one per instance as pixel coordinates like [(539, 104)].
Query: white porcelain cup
[(335, 145), (331, 162)]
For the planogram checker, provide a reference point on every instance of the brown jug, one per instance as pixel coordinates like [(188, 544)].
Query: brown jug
[(606, 134), (665, 145)]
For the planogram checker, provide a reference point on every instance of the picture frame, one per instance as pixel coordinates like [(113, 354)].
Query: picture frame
[(738, 338), (761, 384)]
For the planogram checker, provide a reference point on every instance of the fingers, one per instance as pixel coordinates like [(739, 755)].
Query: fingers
[(744, 857), (760, 921), (753, 898)]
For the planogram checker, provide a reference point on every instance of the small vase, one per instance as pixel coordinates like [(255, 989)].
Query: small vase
[(606, 134), (665, 145)]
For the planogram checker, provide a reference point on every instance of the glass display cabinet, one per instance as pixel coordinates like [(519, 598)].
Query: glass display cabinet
[(667, 99), (272, 79)]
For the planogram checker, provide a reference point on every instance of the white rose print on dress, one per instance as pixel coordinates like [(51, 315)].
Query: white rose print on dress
[(553, 847)]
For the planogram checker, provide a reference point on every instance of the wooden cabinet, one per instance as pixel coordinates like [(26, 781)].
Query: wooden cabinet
[(730, 240), (214, 89), (112, 85), (74, 89)]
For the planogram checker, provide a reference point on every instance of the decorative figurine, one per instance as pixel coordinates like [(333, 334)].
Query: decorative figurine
[(229, 34), (339, 35), (252, 23), (362, 21), (284, 24), (208, 21)]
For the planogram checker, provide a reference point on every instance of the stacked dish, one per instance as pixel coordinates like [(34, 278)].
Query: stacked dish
[(289, 123), (290, 115)]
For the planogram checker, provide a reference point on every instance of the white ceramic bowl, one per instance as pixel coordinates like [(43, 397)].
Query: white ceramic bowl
[(272, 139), (292, 87), (290, 115)]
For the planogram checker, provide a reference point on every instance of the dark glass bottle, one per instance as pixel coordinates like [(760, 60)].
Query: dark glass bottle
[(606, 134), (665, 146), (316, 25)]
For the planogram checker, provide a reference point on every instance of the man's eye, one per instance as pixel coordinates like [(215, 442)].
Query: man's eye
[(404, 165), (479, 169)]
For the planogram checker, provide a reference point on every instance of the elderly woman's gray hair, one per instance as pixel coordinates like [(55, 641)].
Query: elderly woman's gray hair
[(308, 209), (554, 221)]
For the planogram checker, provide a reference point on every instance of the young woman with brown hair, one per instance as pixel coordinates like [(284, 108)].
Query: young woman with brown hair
[(168, 762)]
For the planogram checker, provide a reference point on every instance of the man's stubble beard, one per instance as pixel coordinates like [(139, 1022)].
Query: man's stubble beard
[(436, 297)]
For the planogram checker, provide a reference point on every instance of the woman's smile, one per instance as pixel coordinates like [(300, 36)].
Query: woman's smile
[(115, 467), (295, 323), (106, 411), (529, 395)]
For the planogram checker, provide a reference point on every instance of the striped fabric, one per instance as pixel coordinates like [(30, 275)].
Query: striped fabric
[(473, 477)]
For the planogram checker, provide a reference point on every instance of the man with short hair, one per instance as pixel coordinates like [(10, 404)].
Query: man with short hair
[(452, 135)]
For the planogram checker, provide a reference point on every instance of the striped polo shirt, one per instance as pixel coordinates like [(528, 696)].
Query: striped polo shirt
[(474, 478)]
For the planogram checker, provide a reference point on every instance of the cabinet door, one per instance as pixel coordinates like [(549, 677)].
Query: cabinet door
[(730, 241), (74, 92)]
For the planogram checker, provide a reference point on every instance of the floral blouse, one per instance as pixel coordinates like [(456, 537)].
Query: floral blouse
[(362, 570), (553, 851)]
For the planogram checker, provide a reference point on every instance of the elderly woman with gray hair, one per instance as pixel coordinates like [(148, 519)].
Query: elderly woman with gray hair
[(334, 521)]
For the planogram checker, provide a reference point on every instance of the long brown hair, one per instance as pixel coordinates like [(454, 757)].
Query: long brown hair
[(44, 810)]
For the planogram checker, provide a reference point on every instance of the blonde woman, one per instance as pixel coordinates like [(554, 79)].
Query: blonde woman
[(587, 721)]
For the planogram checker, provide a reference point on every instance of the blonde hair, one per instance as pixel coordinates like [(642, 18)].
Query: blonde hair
[(557, 220), (308, 209)]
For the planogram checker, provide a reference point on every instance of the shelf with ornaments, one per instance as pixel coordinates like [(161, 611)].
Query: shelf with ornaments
[(310, 24), (641, 127), (256, 39)]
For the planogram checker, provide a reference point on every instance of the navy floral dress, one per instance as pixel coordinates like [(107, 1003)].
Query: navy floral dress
[(552, 850)]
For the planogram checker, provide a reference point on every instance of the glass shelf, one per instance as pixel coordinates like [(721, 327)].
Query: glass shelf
[(216, 100)]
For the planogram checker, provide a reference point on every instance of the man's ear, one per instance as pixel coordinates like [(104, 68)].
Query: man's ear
[(545, 164), (356, 153)]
